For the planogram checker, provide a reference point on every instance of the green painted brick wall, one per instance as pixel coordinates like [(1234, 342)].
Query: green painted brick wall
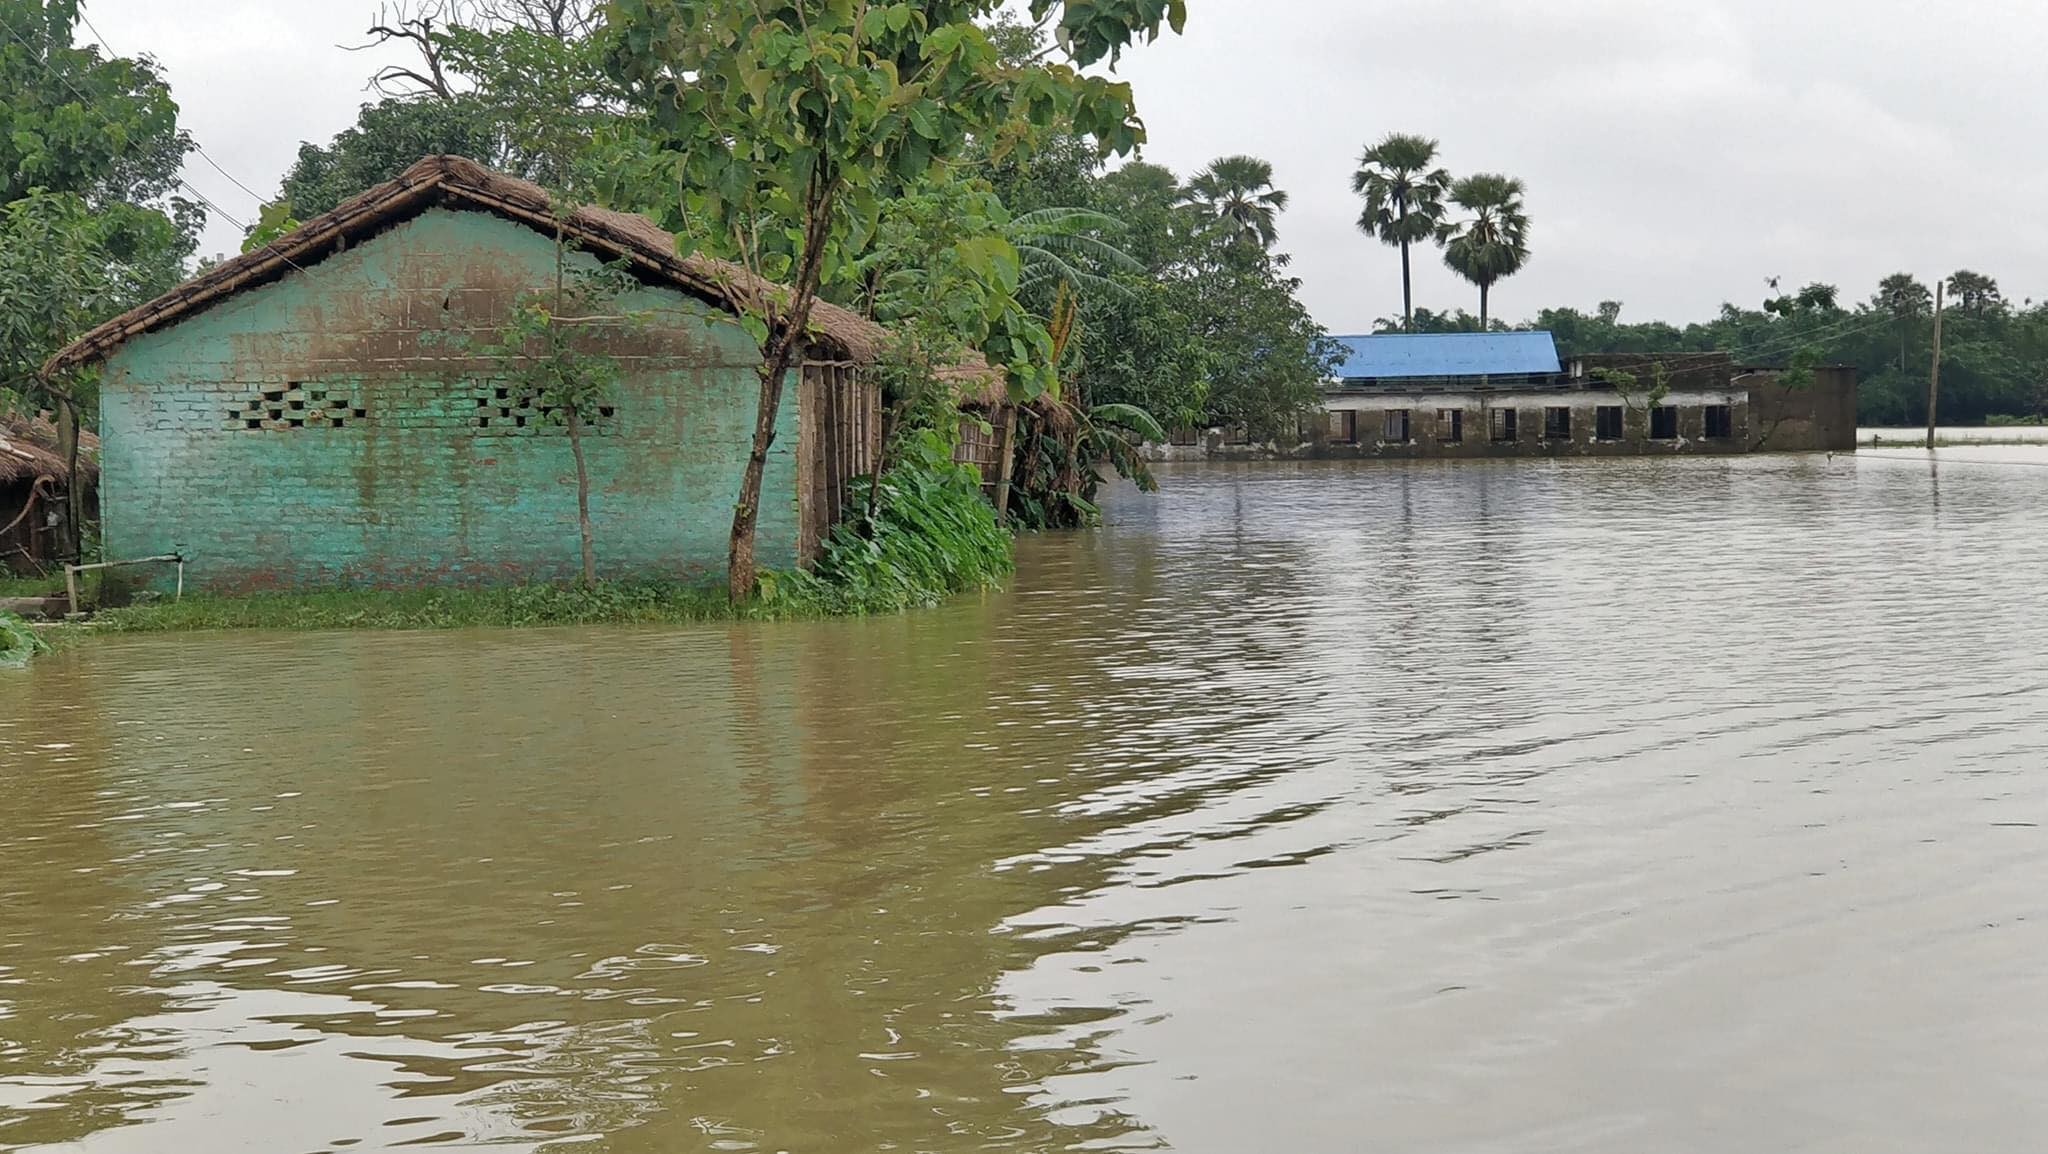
[(409, 489)]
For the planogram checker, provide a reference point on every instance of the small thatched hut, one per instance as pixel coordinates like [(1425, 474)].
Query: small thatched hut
[(34, 487)]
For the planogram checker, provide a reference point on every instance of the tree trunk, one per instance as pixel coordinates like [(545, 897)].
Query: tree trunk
[(582, 496), (785, 336), (1482, 307), (69, 424), (741, 572), (1006, 464), (1407, 294)]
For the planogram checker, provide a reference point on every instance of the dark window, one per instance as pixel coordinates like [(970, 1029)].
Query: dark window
[(1503, 424), (1607, 423), (1450, 425), (1344, 427), (1664, 423), (1720, 422), (1185, 435), (1397, 426), (1557, 423)]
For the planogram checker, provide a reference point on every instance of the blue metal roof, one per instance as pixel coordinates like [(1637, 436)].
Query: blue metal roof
[(1446, 355)]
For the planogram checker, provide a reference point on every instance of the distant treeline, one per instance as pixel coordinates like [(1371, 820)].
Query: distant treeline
[(1994, 353)]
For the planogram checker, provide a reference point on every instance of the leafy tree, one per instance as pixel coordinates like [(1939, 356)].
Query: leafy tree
[(55, 282), (517, 85), (103, 130), (1404, 195), (1264, 356), (1237, 193), (787, 123), (386, 139), (1494, 243), (546, 351), (74, 121)]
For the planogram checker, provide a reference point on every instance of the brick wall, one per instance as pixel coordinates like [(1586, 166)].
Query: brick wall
[(338, 427)]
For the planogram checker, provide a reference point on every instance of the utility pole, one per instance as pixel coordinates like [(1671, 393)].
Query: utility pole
[(1934, 374)]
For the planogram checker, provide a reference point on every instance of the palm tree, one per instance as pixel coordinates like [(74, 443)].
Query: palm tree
[(1238, 192), (1404, 199), (1494, 243), (1907, 300)]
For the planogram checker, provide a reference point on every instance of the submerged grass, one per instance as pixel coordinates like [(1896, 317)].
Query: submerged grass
[(932, 536), (505, 607), (18, 641)]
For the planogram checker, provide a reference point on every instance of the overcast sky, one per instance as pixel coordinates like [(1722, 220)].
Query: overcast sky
[(1676, 153)]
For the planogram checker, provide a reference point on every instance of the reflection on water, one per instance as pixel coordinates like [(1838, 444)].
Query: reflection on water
[(1515, 807)]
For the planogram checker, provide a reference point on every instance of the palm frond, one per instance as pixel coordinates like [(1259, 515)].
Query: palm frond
[(1129, 417)]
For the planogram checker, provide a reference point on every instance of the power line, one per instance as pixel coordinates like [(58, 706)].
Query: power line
[(258, 197), (1847, 328)]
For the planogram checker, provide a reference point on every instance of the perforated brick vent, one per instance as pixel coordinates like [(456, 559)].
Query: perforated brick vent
[(507, 411), (295, 406)]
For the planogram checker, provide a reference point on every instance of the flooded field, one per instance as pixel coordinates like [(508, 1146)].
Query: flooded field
[(1618, 806)]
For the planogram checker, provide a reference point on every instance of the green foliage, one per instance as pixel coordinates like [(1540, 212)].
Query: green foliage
[(387, 138), (54, 283), (1264, 357), (1494, 242), (1205, 329), (942, 260), (513, 88), (89, 154), (791, 124), (18, 641), (1237, 193), (1994, 354), (273, 221), (74, 121), (1633, 392), (932, 534)]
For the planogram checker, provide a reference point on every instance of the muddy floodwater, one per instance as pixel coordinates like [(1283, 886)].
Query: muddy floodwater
[(1686, 805)]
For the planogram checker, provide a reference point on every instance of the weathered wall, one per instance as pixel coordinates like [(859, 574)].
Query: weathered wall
[(1425, 439), (427, 477), (1818, 418)]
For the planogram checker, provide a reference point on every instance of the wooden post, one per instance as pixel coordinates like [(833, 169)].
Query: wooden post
[(71, 590), (1934, 373), (1004, 464)]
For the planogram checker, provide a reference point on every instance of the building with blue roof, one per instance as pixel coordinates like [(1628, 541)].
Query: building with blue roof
[(1383, 358), (1501, 394)]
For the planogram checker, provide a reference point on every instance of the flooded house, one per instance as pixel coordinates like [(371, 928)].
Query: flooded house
[(1508, 394), (323, 410)]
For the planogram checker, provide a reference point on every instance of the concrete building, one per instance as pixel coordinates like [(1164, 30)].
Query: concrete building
[(323, 410), (1509, 395)]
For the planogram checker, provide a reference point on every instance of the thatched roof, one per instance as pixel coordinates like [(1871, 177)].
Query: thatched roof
[(461, 183), (979, 385), (28, 450)]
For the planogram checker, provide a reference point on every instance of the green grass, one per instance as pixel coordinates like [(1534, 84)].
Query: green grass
[(11, 586), (508, 607)]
